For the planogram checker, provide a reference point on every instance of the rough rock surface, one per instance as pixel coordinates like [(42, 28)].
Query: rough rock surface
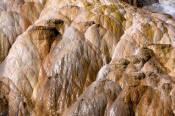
[(15, 17), (85, 58)]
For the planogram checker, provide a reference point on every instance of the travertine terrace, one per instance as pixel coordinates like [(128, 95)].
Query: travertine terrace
[(86, 58)]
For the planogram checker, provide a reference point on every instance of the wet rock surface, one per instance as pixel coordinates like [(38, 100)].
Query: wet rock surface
[(163, 6), (85, 58)]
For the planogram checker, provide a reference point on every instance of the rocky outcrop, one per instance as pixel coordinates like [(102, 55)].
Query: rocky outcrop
[(15, 18), (86, 58)]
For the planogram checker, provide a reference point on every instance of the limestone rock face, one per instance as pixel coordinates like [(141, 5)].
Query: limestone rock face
[(15, 17), (85, 58)]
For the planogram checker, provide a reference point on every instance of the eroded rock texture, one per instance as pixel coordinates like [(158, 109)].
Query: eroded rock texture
[(85, 58), (15, 17)]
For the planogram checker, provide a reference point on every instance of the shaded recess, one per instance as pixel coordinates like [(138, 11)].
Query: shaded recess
[(141, 3)]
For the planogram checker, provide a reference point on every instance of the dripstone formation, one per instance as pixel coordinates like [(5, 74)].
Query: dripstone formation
[(86, 58)]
